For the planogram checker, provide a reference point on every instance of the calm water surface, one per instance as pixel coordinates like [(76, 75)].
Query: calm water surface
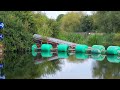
[(48, 65)]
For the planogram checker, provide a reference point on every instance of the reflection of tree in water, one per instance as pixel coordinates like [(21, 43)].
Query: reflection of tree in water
[(106, 70), (21, 66)]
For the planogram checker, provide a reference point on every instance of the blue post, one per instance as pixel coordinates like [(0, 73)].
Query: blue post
[(1, 25)]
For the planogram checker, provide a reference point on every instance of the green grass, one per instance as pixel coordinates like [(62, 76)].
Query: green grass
[(96, 39)]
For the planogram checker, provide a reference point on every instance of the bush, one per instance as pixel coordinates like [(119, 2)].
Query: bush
[(20, 27), (116, 39), (95, 39), (108, 39), (71, 37)]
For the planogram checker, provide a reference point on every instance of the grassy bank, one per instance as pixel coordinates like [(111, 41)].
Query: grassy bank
[(94, 39)]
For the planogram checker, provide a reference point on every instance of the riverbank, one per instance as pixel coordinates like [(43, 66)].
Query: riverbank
[(105, 39)]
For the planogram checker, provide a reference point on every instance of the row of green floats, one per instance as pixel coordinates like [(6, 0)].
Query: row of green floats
[(80, 50), (97, 49)]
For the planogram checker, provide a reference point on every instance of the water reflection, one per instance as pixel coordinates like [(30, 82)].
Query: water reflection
[(98, 57), (21, 66), (106, 70), (34, 53), (113, 58), (63, 54), (59, 65), (81, 56), (46, 54)]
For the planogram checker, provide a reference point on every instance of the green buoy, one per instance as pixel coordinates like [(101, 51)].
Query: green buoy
[(63, 47), (113, 50), (98, 49), (46, 47), (81, 48)]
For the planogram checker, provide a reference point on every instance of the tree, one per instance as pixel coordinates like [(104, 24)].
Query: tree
[(70, 22), (41, 22), (59, 17), (107, 21), (86, 24), (20, 27), (54, 27), (18, 30)]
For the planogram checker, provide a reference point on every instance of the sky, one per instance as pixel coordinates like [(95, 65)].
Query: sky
[(54, 14)]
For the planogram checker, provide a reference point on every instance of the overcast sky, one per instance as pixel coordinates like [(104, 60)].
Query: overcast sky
[(54, 14)]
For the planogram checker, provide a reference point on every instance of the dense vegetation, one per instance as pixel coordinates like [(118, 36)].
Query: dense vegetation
[(102, 27), (20, 27)]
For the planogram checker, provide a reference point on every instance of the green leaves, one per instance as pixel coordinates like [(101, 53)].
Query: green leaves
[(107, 21), (18, 30), (70, 22), (86, 24)]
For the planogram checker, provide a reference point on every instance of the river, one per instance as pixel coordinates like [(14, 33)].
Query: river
[(59, 66)]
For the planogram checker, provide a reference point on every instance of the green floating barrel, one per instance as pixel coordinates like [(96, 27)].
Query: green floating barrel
[(98, 57), (34, 47), (46, 47), (113, 50), (81, 56), (63, 55), (46, 54), (98, 49), (113, 58), (34, 53), (81, 48), (63, 47)]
